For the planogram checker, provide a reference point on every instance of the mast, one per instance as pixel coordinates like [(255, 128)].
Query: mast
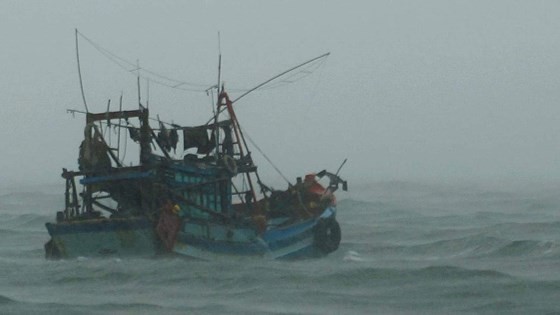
[(119, 135), (217, 109), (138, 81), (224, 100), (227, 103), (80, 71)]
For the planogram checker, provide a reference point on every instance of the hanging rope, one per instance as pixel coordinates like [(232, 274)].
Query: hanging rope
[(132, 67)]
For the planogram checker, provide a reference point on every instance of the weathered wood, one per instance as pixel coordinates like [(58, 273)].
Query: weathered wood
[(93, 117)]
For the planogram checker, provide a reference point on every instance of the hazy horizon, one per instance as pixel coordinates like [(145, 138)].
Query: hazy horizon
[(434, 91)]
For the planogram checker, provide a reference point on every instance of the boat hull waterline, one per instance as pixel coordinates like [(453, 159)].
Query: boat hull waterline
[(136, 237)]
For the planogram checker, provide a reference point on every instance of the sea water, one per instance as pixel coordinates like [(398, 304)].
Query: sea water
[(407, 248)]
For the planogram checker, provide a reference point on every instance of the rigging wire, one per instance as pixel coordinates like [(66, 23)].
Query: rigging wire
[(177, 84), (293, 78), (131, 67), (310, 63), (280, 75), (172, 83), (266, 157), (297, 76), (314, 90)]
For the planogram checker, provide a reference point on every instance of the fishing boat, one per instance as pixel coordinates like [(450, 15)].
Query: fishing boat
[(210, 203)]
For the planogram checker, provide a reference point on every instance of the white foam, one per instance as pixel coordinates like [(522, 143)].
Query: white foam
[(352, 256)]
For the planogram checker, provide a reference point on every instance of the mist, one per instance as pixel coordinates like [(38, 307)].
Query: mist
[(431, 90)]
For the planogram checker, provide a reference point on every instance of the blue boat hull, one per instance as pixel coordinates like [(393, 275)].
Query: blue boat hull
[(102, 237), (293, 241), (200, 240)]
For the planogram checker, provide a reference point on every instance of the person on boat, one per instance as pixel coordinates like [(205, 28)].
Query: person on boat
[(93, 152), (169, 224), (315, 196)]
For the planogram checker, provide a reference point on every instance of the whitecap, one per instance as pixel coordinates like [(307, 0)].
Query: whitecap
[(352, 256)]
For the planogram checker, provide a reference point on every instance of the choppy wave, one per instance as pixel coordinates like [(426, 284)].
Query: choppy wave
[(406, 249), (22, 222), (5, 300), (528, 248), (16, 307)]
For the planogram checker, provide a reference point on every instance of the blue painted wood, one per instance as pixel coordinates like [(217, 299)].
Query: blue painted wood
[(108, 178), (104, 237)]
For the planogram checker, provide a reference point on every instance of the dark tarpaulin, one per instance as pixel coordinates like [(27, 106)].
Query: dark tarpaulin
[(197, 137)]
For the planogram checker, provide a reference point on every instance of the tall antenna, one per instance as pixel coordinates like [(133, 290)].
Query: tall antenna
[(119, 137), (80, 71), (148, 93), (215, 109), (219, 61), (138, 81)]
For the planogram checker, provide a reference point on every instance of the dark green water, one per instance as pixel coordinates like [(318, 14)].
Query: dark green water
[(407, 249)]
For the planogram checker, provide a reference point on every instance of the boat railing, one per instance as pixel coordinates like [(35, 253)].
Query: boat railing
[(80, 204)]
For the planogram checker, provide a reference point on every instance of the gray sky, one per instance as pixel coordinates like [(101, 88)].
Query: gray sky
[(413, 90)]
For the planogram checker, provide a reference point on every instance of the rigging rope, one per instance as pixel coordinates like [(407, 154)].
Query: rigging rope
[(132, 67), (281, 75), (172, 83), (297, 76), (266, 157)]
